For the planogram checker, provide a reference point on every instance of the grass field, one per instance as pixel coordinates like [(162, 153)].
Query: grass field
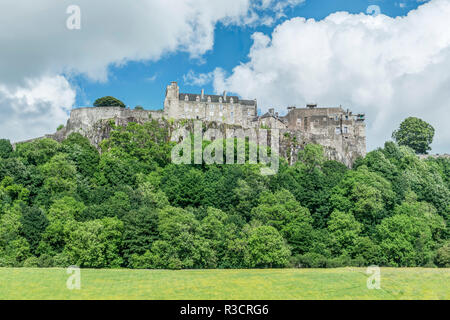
[(286, 284)]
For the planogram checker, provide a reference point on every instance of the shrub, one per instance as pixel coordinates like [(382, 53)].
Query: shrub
[(108, 101)]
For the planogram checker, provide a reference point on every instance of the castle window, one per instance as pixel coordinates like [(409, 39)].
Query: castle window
[(220, 107), (232, 116), (249, 113), (231, 100), (209, 99), (186, 98), (338, 130), (197, 99), (299, 121), (345, 129), (336, 118), (220, 99)]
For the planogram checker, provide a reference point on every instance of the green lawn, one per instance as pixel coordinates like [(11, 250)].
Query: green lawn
[(344, 283)]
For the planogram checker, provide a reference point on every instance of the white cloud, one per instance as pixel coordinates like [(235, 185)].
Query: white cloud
[(195, 79), (35, 109), (390, 68)]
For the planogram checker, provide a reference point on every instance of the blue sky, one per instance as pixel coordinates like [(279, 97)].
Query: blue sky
[(144, 83)]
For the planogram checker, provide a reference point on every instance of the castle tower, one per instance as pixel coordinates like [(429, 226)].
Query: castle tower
[(171, 102)]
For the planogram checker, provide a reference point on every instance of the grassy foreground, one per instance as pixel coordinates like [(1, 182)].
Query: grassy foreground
[(271, 284)]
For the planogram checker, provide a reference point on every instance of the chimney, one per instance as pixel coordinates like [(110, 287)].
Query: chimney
[(224, 96), (203, 94)]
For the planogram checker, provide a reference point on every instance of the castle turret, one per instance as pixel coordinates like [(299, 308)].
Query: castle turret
[(171, 102)]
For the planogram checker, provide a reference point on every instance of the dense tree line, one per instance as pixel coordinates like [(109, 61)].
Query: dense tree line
[(128, 206)]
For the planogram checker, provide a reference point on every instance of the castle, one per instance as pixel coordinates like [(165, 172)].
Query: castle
[(339, 131)]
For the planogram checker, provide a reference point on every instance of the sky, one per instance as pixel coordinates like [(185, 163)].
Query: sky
[(388, 59)]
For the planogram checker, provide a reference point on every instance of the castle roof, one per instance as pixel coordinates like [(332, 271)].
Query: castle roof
[(268, 115), (216, 98)]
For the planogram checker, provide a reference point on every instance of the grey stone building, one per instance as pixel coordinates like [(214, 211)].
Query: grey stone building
[(222, 109)]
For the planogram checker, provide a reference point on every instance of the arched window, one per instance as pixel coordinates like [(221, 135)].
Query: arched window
[(197, 99), (231, 100), (186, 98), (209, 99)]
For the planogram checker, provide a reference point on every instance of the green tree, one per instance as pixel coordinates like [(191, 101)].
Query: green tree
[(442, 258), (416, 134), (37, 152), (266, 248), (5, 149), (284, 213), (179, 245), (108, 101), (140, 231), (365, 194), (14, 249), (344, 231), (34, 222), (95, 244), (84, 155), (409, 237)]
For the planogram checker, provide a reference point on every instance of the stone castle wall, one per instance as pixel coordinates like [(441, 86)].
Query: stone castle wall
[(89, 122)]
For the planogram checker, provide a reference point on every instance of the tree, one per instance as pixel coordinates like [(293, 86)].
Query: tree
[(179, 244), (95, 244), (60, 179), (34, 223), (108, 101), (365, 194), (344, 230), (141, 230), (84, 155), (5, 148), (409, 237), (416, 134), (266, 248), (38, 152), (442, 258), (14, 249)]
